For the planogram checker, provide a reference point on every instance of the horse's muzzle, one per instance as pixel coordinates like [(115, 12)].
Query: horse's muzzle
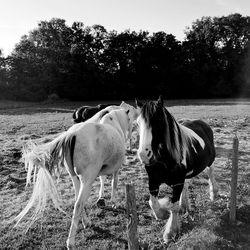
[(146, 157)]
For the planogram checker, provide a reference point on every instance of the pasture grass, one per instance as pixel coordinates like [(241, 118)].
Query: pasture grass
[(207, 227)]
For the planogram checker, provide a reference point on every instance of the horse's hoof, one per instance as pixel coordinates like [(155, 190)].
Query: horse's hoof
[(166, 240), (70, 246), (100, 203), (169, 238), (114, 206), (212, 197), (183, 210), (86, 224)]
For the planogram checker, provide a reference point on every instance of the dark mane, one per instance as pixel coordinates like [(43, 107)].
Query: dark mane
[(166, 133)]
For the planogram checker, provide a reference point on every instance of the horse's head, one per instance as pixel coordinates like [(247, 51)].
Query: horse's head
[(132, 114), (131, 111), (152, 129)]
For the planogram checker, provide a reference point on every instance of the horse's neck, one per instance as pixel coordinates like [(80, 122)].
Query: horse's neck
[(174, 144), (119, 122)]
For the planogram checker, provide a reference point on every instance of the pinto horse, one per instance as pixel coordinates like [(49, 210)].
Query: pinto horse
[(87, 150), (83, 113), (173, 152)]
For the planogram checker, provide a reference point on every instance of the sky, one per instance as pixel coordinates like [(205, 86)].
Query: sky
[(18, 17)]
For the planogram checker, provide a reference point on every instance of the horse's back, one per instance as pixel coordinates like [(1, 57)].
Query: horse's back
[(201, 128), (96, 133)]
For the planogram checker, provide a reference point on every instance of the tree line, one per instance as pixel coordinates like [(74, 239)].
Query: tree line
[(87, 62)]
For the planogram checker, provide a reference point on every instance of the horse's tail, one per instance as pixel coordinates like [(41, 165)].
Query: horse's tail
[(46, 158)]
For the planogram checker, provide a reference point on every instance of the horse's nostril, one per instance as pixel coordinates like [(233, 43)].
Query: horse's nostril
[(149, 154)]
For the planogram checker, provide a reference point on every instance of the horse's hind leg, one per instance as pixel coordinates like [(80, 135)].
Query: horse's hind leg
[(101, 202), (213, 186), (74, 178), (76, 183), (78, 209)]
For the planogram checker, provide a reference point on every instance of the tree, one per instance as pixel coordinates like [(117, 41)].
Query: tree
[(3, 78), (244, 72), (87, 62), (214, 47), (86, 68), (39, 62), (120, 57)]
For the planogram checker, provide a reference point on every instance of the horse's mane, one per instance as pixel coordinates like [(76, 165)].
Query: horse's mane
[(171, 141)]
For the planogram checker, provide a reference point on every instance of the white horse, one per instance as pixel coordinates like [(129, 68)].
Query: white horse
[(87, 150)]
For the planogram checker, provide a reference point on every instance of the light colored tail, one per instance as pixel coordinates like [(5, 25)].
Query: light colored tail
[(46, 158), (44, 188)]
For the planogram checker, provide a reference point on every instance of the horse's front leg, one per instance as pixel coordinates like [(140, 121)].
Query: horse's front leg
[(159, 207), (101, 201), (114, 188), (130, 138), (173, 225)]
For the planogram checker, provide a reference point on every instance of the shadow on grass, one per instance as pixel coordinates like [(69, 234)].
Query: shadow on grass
[(101, 233), (238, 233)]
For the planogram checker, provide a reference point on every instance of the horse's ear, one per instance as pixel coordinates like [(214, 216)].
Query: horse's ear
[(160, 101), (138, 103), (122, 103)]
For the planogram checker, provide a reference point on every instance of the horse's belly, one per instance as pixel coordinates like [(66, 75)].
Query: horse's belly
[(114, 160)]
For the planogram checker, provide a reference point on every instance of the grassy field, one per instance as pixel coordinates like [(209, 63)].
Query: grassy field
[(206, 228)]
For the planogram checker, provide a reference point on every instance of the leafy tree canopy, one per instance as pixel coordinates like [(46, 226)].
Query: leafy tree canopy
[(81, 62)]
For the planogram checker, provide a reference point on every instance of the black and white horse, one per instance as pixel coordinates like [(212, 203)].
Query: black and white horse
[(173, 152), (83, 113)]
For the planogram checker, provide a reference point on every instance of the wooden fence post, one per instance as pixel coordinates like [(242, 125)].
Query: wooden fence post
[(132, 218), (233, 198)]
